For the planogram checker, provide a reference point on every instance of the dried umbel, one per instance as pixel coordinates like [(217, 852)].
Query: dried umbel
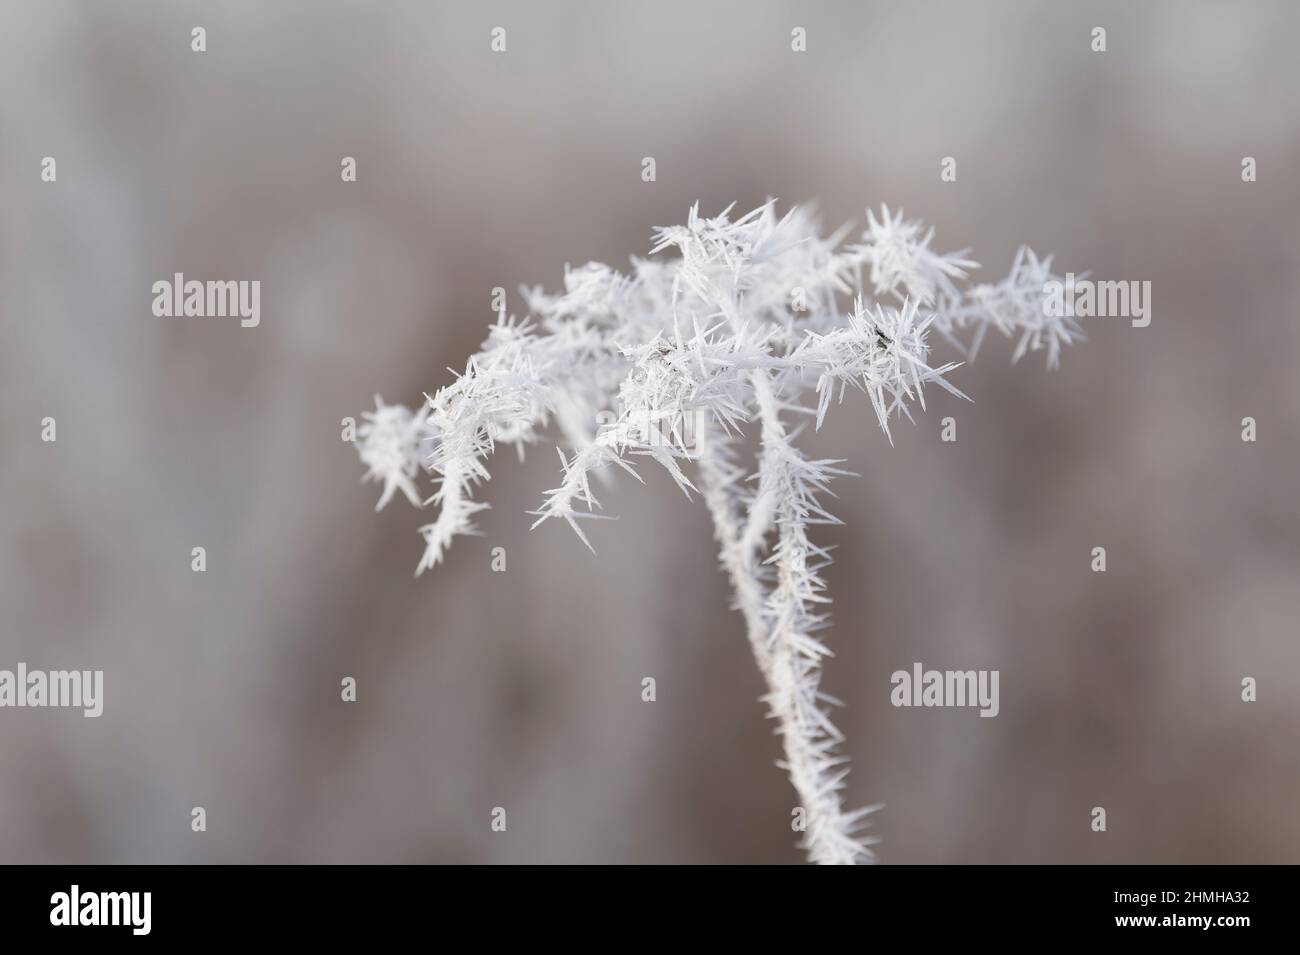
[(759, 320)]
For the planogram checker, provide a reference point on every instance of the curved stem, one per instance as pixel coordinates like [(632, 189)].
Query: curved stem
[(778, 623), (718, 474)]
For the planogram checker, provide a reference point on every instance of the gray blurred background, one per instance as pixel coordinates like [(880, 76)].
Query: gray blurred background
[(521, 689)]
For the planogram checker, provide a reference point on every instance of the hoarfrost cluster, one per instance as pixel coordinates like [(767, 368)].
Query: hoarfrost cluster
[(756, 321)]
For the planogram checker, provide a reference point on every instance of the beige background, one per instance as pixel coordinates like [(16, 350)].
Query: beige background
[(521, 690)]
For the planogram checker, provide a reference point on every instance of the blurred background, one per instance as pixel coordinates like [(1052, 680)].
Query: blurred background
[(522, 689)]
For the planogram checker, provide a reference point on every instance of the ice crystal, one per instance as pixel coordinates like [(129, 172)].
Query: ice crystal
[(758, 319)]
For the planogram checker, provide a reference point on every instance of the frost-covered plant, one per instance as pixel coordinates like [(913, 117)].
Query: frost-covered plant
[(758, 319)]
